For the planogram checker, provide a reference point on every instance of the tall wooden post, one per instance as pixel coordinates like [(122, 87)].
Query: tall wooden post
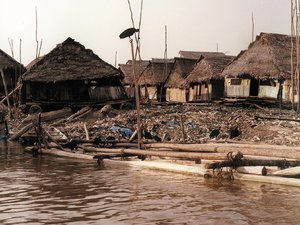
[(297, 56), (6, 92), (137, 95), (292, 55)]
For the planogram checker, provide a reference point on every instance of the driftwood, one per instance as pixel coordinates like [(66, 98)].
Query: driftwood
[(182, 155), (16, 136), (259, 150), (293, 171), (197, 170), (57, 152), (276, 118), (50, 116), (52, 139), (12, 92), (87, 136), (80, 116), (252, 162), (246, 149), (82, 112)]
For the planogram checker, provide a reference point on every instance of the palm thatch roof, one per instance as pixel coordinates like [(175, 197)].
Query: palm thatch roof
[(29, 65), (156, 72), (7, 61), (196, 55), (182, 68), (209, 67), (70, 61), (269, 56), (126, 69)]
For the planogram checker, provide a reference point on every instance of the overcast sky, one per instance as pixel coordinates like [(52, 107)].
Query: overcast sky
[(196, 25)]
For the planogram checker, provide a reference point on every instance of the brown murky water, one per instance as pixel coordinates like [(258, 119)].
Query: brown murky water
[(50, 190)]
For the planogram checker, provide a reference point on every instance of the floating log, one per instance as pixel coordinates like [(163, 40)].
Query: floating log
[(182, 155), (257, 169), (267, 179), (178, 168), (263, 150), (253, 162), (60, 153), (293, 171), (198, 170), (245, 149)]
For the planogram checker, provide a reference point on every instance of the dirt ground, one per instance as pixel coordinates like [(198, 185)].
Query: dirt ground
[(192, 124)]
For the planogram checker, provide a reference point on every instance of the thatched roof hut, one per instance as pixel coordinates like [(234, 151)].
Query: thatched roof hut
[(29, 65), (209, 67), (196, 54), (156, 72), (70, 61), (11, 69), (71, 74), (126, 69), (7, 62), (182, 68), (269, 56)]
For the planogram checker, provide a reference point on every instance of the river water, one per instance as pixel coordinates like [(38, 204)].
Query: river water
[(49, 190)]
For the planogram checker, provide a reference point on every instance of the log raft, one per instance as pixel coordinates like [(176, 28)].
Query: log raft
[(93, 153)]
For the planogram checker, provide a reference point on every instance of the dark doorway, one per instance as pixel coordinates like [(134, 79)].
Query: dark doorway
[(161, 93), (254, 83), (217, 89)]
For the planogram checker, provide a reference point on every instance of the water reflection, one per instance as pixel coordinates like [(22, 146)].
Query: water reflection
[(48, 190)]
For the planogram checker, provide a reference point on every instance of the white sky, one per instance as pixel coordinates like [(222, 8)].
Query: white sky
[(196, 25)]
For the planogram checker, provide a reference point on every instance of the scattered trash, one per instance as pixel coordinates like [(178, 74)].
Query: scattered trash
[(171, 124), (162, 123), (125, 132)]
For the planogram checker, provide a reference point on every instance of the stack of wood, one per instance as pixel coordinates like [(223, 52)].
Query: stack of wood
[(238, 156)]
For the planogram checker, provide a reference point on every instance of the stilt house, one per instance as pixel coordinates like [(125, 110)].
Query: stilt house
[(126, 69), (10, 71), (177, 90), (154, 77), (71, 75), (263, 70), (205, 81)]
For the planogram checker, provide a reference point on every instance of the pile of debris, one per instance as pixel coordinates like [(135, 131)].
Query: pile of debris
[(185, 124)]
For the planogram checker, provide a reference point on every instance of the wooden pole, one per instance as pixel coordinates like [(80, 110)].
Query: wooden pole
[(182, 128), (6, 92), (36, 40), (252, 18), (13, 91), (11, 45), (87, 136), (297, 56), (137, 94), (166, 64), (292, 55)]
